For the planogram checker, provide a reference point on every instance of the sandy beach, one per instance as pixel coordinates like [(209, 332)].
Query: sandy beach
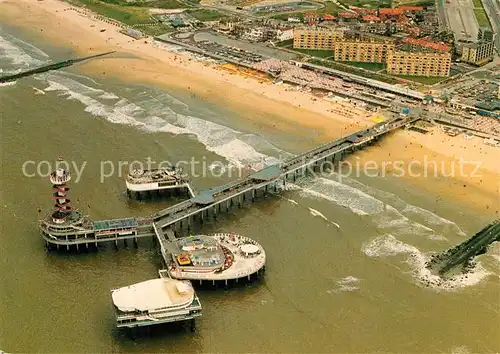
[(143, 62)]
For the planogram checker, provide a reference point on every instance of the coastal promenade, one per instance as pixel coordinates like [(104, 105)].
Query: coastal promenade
[(166, 223)]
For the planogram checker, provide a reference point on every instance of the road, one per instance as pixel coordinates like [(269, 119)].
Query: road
[(443, 20), (462, 20), (492, 8)]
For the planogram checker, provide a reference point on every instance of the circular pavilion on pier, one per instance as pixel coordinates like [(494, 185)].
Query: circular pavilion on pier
[(218, 257)]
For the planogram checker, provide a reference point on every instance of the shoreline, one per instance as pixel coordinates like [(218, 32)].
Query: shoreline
[(146, 63)]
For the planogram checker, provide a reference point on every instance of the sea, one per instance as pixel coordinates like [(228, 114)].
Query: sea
[(345, 256)]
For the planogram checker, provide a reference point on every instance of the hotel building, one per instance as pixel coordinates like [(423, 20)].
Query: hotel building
[(478, 53), (419, 58), (363, 47), (316, 37)]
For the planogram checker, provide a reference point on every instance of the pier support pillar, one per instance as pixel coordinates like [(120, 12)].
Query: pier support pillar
[(135, 242), (253, 195)]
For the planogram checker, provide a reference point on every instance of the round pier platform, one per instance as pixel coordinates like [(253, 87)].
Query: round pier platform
[(217, 257)]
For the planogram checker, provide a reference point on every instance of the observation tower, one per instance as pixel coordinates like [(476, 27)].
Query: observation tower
[(65, 226), (59, 179)]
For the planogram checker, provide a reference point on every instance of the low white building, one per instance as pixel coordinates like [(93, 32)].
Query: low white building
[(284, 34)]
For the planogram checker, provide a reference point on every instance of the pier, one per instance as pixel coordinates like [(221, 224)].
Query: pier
[(165, 225), (463, 254), (54, 66)]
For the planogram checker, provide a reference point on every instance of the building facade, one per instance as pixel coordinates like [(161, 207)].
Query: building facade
[(485, 34), (362, 47), (316, 37), (478, 53), (419, 63)]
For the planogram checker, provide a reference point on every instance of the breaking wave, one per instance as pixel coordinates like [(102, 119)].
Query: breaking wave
[(388, 246), (19, 54)]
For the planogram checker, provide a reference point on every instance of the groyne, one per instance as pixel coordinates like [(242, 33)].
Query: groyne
[(461, 257), (54, 66)]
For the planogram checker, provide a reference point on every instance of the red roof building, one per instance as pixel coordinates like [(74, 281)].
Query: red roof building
[(328, 17), (427, 44), (411, 8), (389, 12), (371, 18)]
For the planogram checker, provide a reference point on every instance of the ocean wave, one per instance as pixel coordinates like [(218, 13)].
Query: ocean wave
[(11, 48), (425, 216), (10, 83), (221, 140), (387, 245), (93, 106), (343, 195)]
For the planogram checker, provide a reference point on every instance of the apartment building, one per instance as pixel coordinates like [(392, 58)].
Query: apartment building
[(478, 53), (363, 47), (316, 37)]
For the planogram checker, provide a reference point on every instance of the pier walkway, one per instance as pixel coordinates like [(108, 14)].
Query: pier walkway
[(214, 201)]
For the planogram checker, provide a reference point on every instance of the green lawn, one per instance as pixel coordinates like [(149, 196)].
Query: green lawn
[(130, 13), (330, 8), (127, 14), (348, 69), (370, 4), (422, 79), (286, 44), (284, 17), (482, 18), (315, 53), (162, 4), (423, 3), (477, 3), (206, 14), (367, 66)]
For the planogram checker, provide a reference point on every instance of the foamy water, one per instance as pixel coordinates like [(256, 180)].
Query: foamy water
[(389, 246)]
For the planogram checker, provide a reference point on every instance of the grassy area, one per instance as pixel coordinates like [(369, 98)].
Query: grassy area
[(286, 44), (127, 14), (367, 66), (477, 3), (424, 3), (330, 8), (161, 4), (482, 18), (156, 30), (348, 69), (315, 53), (422, 79), (206, 14), (369, 4), (284, 17)]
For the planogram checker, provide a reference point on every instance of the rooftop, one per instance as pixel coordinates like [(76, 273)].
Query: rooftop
[(427, 44), (153, 294), (115, 224), (390, 11), (199, 251), (155, 175)]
